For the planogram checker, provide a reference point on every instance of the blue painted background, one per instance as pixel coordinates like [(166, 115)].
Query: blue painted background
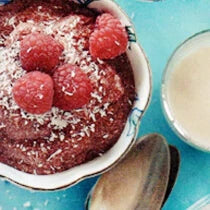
[(160, 28)]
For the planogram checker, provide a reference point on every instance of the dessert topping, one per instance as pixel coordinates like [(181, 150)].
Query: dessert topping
[(34, 92), (109, 39), (75, 54), (40, 52), (72, 87), (113, 86)]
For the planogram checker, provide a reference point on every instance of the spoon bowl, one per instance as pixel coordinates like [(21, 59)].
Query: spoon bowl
[(139, 181)]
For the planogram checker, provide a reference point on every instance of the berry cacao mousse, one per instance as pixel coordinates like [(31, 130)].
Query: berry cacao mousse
[(66, 85)]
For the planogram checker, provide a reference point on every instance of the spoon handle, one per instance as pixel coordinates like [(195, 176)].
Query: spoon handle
[(174, 169)]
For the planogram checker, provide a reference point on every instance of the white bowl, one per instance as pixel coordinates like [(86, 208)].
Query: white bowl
[(142, 75)]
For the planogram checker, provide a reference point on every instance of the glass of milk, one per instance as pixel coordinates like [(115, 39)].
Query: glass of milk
[(186, 91)]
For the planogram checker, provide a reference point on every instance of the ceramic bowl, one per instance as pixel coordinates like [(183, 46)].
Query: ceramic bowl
[(199, 40), (101, 164)]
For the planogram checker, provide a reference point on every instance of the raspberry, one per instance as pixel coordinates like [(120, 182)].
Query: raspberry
[(109, 39), (72, 87), (34, 92), (39, 52)]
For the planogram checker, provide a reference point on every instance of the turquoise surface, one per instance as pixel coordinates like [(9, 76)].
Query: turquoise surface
[(160, 28)]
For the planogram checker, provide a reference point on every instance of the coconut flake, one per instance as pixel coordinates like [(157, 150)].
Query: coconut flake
[(54, 154)]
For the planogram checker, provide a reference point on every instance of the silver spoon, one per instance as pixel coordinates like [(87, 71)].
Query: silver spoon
[(139, 181)]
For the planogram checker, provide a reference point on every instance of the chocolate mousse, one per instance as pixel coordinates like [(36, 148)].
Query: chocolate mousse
[(60, 139)]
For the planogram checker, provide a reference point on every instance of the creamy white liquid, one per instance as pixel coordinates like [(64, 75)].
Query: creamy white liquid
[(207, 207), (188, 93)]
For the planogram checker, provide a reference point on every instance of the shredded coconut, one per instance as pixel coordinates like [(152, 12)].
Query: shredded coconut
[(65, 30), (10, 70), (54, 154)]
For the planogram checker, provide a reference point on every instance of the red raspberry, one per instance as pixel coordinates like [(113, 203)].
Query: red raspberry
[(72, 87), (39, 52), (34, 92), (109, 39)]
